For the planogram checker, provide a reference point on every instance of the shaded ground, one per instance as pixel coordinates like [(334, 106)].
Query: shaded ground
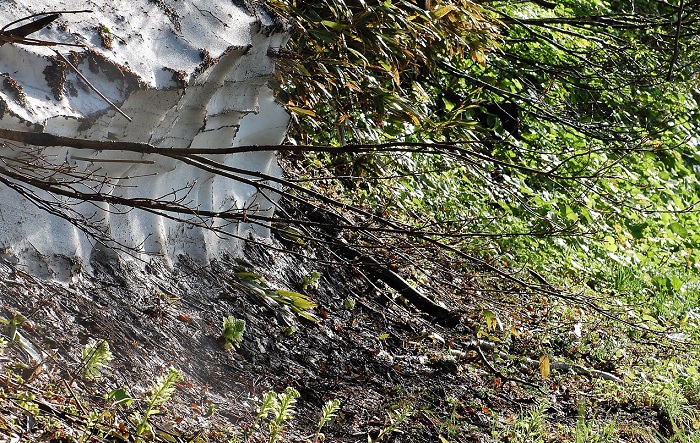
[(399, 376)]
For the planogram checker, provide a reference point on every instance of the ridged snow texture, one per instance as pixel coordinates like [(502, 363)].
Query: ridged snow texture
[(190, 74)]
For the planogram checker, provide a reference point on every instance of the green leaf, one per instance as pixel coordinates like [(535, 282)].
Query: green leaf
[(120, 397), (440, 13), (303, 111), (609, 243), (334, 25), (247, 276), (637, 230), (301, 301), (678, 229)]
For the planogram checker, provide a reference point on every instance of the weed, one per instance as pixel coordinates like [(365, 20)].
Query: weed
[(527, 428), (27, 402), (232, 332), (452, 427), (120, 397), (593, 431), (327, 413), (349, 303), (280, 407), (284, 412), (394, 419), (12, 324), (682, 416), (161, 392), (311, 281), (287, 302), (95, 357)]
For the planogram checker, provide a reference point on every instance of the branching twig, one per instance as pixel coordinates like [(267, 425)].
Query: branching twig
[(676, 41)]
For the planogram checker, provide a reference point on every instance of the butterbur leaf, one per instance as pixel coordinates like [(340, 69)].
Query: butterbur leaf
[(120, 397), (544, 366)]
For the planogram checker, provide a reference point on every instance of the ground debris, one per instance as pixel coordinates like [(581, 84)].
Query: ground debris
[(397, 374)]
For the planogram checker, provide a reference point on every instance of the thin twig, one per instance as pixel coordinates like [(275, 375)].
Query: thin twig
[(676, 43), (97, 91)]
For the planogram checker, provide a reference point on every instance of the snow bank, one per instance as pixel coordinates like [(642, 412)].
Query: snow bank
[(190, 75)]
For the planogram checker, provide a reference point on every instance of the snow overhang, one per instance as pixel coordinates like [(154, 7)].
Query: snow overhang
[(188, 75)]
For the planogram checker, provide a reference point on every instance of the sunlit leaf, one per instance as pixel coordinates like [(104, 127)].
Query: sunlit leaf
[(303, 111), (544, 366), (441, 12), (492, 320), (334, 25)]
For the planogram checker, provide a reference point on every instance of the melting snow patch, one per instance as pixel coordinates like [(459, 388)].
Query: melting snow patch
[(189, 75)]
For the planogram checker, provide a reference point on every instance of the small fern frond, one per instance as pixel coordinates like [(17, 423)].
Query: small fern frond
[(232, 332), (328, 411), (161, 391), (268, 406), (95, 357), (163, 388), (286, 404)]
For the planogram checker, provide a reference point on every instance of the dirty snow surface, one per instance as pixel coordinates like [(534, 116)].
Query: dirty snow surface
[(188, 74)]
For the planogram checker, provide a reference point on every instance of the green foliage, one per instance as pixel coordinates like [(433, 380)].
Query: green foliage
[(528, 427), (601, 172), (27, 402), (279, 408), (161, 391), (592, 431), (95, 358), (329, 410), (12, 324), (286, 302), (362, 68), (395, 417), (120, 396), (232, 332), (311, 281)]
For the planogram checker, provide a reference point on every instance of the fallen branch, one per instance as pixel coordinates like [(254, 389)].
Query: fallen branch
[(480, 345), (380, 271), (399, 284)]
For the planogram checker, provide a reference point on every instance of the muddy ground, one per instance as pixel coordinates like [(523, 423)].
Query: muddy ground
[(376, 353)]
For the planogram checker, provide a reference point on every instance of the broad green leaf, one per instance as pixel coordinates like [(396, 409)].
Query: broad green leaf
[(299, 300), (678, 229)]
